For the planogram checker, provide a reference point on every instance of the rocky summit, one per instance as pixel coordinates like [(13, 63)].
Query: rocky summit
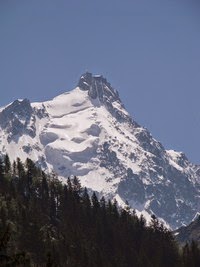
[(87, 132)]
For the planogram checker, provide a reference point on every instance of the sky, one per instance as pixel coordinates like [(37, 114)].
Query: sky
[(148, 50)]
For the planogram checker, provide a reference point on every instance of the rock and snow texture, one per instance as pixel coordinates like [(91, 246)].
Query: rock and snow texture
[(88, 133)]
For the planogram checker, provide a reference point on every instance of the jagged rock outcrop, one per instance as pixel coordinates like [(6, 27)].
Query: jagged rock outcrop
[(17, 119), (99, 88)]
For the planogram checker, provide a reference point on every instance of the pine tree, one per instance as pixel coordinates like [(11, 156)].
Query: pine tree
[(7, 164)]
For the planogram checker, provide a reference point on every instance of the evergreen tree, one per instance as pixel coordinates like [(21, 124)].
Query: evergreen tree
[(7, 164)]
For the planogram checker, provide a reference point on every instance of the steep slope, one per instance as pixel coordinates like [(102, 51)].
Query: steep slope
[(87, 132), (188, 233)]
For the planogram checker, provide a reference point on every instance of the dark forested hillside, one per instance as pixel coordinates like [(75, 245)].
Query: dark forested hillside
[(46, 223)]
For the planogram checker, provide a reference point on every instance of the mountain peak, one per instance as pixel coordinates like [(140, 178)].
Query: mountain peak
[(98, 87)]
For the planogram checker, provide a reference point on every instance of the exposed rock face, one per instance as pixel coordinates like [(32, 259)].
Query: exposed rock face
[(186, 234), (99, 88), (87, 132), (18, 119)]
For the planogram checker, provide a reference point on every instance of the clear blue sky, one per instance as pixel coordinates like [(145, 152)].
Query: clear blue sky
[(148, 49)]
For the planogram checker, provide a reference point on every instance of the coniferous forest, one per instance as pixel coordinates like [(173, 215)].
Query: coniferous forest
[(46, 223)]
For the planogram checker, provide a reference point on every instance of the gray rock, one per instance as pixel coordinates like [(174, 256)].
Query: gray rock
[(17, 119)]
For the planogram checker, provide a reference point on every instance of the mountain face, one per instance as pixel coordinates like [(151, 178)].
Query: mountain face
[(88, 133)]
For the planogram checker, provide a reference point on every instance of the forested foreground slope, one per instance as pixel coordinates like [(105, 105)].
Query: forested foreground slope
[(46, 223)]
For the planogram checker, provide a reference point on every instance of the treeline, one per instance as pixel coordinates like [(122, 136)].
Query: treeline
[(46, 223)]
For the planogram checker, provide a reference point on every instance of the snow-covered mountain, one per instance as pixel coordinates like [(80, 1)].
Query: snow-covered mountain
[(88, 133)]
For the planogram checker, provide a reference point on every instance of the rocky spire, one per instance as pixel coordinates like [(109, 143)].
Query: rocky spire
[(99, 88)]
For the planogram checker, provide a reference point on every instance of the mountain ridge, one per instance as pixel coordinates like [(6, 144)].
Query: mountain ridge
[(189, 233)]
